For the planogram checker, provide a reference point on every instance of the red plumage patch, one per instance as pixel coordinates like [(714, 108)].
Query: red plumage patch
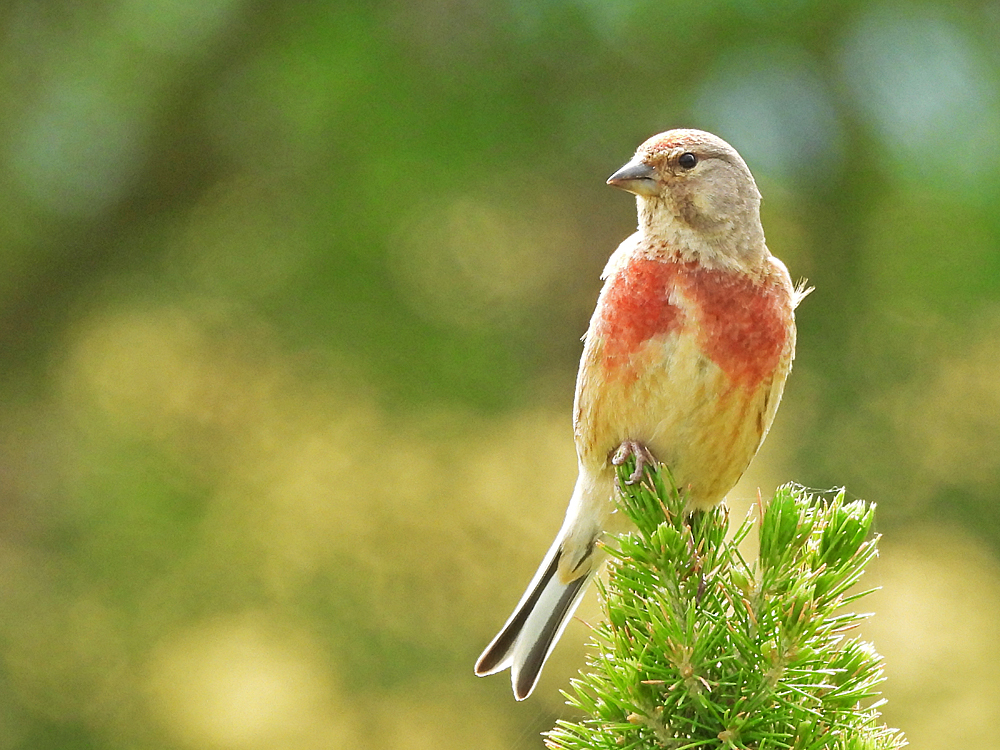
[(636, 307), (742, 324)]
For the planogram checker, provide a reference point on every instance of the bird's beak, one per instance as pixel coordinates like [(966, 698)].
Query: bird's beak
[(635, 177)]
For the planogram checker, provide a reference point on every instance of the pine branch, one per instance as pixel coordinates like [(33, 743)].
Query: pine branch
[(702, 649)]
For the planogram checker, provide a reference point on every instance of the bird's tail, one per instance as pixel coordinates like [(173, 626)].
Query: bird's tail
[(526, 640)]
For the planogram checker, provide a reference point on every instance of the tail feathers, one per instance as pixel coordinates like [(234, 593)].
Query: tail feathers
[(528, 637), (542, 630)]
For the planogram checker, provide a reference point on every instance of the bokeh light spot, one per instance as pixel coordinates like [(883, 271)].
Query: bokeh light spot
[(242, 683), (772, 104), (925, 86), (477, 260), (80, 148)]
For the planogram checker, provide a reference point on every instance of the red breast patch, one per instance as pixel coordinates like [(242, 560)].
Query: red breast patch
[(636, 307), (742, 324)]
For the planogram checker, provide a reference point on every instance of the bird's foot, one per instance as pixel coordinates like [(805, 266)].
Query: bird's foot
[(643, 458)]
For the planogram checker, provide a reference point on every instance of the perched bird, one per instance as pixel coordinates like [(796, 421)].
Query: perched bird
[(685, 360)]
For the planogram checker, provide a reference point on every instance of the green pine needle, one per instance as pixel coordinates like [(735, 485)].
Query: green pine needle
[(702, 649)]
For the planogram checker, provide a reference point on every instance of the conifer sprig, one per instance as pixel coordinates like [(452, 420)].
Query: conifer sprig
[(702, 649)]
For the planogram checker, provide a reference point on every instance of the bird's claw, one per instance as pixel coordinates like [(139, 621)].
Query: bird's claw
[(643, 458)]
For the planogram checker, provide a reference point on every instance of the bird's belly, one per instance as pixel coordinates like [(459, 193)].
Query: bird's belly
[(686, 410)]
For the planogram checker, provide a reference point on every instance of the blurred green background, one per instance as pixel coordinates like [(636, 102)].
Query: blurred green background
[(290, 313)]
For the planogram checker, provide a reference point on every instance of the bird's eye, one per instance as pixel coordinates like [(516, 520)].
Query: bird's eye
[(687, 160)]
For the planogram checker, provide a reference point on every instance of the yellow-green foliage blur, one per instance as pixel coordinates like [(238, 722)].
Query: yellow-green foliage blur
[(290, 308)]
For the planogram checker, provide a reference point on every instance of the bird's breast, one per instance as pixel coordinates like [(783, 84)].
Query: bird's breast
[(691, 362), (636, 306), (741, 323)]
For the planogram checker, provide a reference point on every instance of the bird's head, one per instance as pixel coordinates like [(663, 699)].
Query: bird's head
[(692, 186)]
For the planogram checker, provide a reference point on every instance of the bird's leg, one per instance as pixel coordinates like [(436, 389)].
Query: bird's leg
[(643, 458)]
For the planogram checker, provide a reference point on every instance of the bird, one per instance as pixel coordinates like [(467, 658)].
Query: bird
[(684, 363)]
